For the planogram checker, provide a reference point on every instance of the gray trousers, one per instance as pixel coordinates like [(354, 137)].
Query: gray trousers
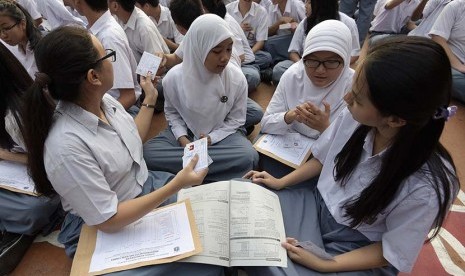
[(279, 69), (306, 217), (25, 214), (278, 46), (458, 85), (232, 157)]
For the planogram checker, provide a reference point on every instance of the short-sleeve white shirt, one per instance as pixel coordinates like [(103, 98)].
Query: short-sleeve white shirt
[(392, 20), (430, 13), (451, 26), (404, 224), (112, 36), (31, 7), (57, 14), (143, 35), (298, 39), (294, 9), (93, 165), (240, 41), (256, 17), (25, 58), (166, 26)]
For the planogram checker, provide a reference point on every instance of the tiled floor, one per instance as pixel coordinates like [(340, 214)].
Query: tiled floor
[(45, 259)]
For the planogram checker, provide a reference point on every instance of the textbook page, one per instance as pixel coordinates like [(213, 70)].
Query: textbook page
[(160, 234), (14, 177), (256, 226), (210, 205), (292, 149)]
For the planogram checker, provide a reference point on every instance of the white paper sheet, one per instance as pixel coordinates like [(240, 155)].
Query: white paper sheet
[(159, 234), (199, 147), (292, 147), (148, 63), (14, 175)]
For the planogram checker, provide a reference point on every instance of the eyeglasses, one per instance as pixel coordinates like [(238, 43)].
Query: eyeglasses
[(327, 64), (109, 54), (4, 30)]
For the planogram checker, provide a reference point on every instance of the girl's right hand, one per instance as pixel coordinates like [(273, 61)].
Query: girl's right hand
[(265, 179), (188, 177), (151, 93)]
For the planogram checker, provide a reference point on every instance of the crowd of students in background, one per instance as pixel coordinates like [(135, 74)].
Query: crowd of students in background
[(79, 117)]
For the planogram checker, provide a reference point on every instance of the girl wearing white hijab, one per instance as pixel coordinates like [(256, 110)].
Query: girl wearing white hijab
[(205, 96), (310, 94)]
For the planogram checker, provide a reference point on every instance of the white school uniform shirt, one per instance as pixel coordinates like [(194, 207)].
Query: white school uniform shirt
[(25, 58), (256, 17), (112, 36), (430, 13), (93, 165), (266, 4), (240, 41), (14, 131), (166, 25), (391, 21), (451, 26), (56, 14), (193, 94), (31, 7), (143, 35), (295, 88), (165, 3), (298, 39), (294, 9), (403, 226)]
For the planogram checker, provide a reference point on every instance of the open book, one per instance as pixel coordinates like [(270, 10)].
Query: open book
[(292, 149), (240, 224)]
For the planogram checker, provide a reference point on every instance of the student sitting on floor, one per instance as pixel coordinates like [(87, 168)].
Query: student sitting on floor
[(385, 179), (89, 150), (22, 216), (310, 94), (205, 96)]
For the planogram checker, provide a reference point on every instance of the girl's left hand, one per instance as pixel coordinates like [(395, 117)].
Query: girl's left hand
[(151, 93), (302, 256), (313, 117)]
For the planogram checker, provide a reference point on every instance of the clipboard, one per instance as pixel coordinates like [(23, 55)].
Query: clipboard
[(279, 158), (12, 189), (87, 241), (15, 178)]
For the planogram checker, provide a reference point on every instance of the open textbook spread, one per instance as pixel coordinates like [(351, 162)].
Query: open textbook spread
[(292, 149), (240, 224), (164, 235), (14, 177)]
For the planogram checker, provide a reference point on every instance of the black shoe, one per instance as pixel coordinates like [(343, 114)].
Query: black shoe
[(12, 249), (266, 75)]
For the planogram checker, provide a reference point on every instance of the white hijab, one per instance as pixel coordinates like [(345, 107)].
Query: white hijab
[(201, 87), (333, 36)]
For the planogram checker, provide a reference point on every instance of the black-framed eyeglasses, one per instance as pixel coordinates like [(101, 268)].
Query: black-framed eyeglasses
[(328, 64), (109, 54), (3, 30)]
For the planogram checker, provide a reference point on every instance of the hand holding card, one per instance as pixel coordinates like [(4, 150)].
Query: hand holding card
[(148, 64)]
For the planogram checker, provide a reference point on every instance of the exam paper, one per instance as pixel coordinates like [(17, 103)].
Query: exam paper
[(159, 234), (292, 147), (14, 175), (148, 64), (199, 147), (315, 249)]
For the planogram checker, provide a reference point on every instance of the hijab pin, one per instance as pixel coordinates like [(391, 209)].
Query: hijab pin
[(224, 99)]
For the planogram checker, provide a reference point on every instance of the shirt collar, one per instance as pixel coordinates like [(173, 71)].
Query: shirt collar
[(368, 145), (131, 24), (163, 13), (100, 24)]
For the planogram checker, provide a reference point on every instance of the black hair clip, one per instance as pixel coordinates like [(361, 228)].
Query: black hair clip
[(445, 113)]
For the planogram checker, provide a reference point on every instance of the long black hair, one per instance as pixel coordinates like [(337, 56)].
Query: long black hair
[(14, 81), (18, 13), (63, 58), (322, 10), (415, 83)]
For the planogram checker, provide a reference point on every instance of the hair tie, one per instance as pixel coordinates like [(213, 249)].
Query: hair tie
[(445, 112), (42, 79)]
